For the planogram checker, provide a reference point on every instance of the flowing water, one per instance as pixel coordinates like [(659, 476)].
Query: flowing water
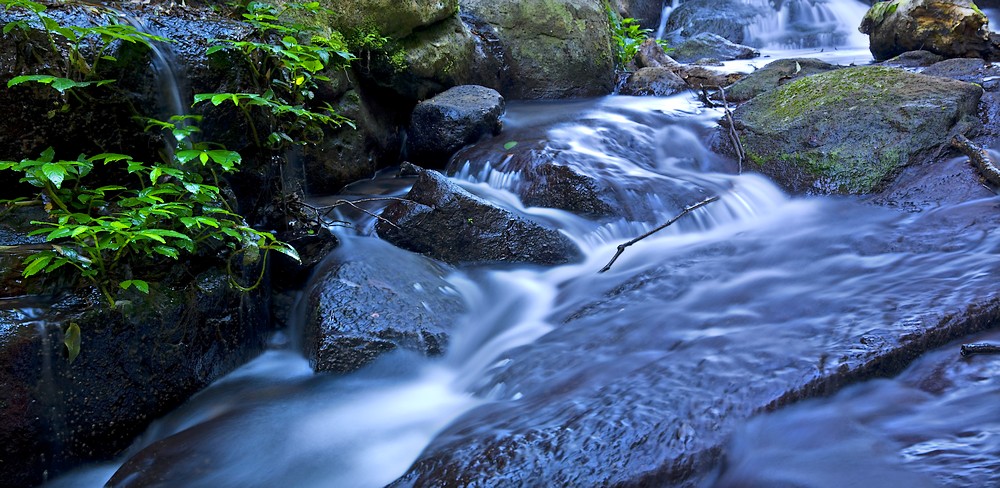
[(758, 281)]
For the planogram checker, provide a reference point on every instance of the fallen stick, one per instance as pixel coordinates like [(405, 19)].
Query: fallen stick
[(687, 210), (982, 348), (979, 158)]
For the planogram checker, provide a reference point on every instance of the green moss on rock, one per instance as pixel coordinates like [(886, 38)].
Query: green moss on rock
[(849, 131)]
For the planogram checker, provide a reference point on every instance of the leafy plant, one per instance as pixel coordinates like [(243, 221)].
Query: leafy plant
[(171, 211), (73, 43), (287, 70), (627, 35)]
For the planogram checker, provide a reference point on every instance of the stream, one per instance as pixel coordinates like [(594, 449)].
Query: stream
[(696, 327)]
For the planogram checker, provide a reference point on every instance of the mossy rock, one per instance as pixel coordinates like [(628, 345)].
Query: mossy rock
[(953, 29), (849, 131), (773, 75)]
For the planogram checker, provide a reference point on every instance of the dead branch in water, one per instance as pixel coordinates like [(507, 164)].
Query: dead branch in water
[(734, 138), (979, 158), (983, 348), (325, 210), (687, 210)]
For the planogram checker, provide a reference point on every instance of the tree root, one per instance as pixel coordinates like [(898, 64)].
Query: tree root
[(979, 158), (982, 348)]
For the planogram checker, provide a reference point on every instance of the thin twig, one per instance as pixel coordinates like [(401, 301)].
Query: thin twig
[(734, 138), (324, 210), (687, 210)]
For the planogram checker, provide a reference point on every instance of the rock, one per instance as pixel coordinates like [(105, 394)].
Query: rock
[(708, 45), (440, 219), (851, 130), (458, 117), (653, 397), (390, 18), (553, 48), (658, 82), (646, 12), (372, 298), (773, 75), (652, 55), (953, 29), (725, 18), (969, 70), (134, 366), (913, 59)]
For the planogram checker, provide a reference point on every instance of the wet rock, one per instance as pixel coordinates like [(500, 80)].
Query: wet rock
[(620, 395), (372, 298), (708, 45), (726, 18), (850, 131), (658, 82), (437, 58), (389, 17), (646, 12), (969, 70), (553, 48), (952, 29), (773, 75), (914, 59), (440, 219), (134, 365), (458, 117)]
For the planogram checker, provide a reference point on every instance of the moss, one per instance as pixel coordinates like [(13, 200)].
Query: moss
[(880, 10)]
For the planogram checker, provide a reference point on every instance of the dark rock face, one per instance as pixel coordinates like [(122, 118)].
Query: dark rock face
[(708, 45), (914, 59), (725, 18), (952, 29), (458, 117), (440, 219), (850, 131), (969, 70), (550, 48), (658, 82), (376, 299), (773, 75), (133, 366), (646, 12)]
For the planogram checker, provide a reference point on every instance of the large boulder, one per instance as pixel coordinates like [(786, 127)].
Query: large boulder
[(453, 119), (373, 298), (773, 75), (849, 131), (392, 18), (706, 45), (442, 220), (553, 48), (955, 28)]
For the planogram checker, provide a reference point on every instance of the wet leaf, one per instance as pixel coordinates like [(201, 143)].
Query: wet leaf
[(71, 339), (509, 145)]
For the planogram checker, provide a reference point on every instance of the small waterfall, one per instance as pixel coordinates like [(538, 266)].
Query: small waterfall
[(797, 24)]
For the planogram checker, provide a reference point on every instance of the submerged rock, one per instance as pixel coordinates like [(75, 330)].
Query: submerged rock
[(373, 298), (952, 29), (440, 219), (708, 45), (453, 119), (551, 48), (850, 131), (659, 82)]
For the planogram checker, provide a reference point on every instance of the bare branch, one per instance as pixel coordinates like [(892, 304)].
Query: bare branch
[(979, 158), (687, 210)]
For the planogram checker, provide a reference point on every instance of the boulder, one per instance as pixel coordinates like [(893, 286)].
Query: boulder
[(437, 58), (371, 298), (773, 75), (552, 48), (652, 55), (658, 82), (645, 12), (458, 117), (851, 130), (913, 59), (440, 219), (953, 29), (969, 70), (391, 18), (708, 45), (725, 18)]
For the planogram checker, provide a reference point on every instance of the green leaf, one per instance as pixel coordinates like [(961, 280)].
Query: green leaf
[(137, 284), (509, 145), (55, 173), (287, 250), (71, 339), (36, 263)]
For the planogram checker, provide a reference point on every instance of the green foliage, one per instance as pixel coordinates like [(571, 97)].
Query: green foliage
[(170, 211), (371, 44), (71, 43), (626, 37), (287, 69)]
